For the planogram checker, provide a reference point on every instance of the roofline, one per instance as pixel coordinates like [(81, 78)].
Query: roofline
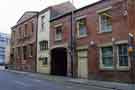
[(44, 10), (68, 13), (27, 12), (24, 21)]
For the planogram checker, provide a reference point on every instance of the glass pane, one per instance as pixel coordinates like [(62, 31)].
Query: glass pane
[(108, 61), (106, 24), (82, 27), (107, 54), (123, 55), (123, 61)]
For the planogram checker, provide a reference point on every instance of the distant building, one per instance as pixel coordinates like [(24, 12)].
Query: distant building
[(4, 39), (7, 54), (23, 42)]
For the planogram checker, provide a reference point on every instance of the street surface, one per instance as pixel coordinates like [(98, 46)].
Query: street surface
[(14, 81)]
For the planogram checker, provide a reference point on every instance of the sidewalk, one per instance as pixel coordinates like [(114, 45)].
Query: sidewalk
[(60, 79)]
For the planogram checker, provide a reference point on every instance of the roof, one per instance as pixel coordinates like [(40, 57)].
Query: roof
[(59, 9), (26, 16), (70, 12), (64, 7)]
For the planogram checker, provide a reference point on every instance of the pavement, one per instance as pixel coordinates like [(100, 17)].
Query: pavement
[(36, 81)]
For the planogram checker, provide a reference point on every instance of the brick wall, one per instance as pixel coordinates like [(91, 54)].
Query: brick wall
[(120, 31), (19, 40)]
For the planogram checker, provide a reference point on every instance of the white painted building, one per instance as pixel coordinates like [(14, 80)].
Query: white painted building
[(43, 58), (43, 42)]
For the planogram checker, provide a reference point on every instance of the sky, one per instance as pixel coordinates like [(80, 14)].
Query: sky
[(12, 10)]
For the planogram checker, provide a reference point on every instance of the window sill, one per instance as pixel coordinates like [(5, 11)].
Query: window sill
[(58, 40), (44, 50), (81, 37), (107, 68), (44, 65), (117, 69), (104, 32), (123, 68), (30, 56)]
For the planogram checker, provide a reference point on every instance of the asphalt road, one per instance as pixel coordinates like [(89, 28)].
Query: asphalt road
[(13, 81)]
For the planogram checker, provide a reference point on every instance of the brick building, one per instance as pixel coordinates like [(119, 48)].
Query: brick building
[(23, 42), (101, 41)]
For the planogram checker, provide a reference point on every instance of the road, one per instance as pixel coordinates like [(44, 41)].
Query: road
[(13, 81)]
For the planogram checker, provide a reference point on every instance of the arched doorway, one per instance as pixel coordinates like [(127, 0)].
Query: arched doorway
[(59, 61)]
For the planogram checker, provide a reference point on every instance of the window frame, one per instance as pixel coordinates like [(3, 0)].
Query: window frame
[(25, 30), (101, 59), (99, 19), (45, 58), (42, 23), (77, 26), (57, 26), (120, 68), (118, 61), (30, 50), (32, 27), (43, 45), (25, 52)]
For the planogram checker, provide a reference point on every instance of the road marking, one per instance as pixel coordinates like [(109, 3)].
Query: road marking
[(36, 80), (22, 83)]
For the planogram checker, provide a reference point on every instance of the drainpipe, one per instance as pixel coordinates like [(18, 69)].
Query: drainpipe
[(72, 47), (114, 57)]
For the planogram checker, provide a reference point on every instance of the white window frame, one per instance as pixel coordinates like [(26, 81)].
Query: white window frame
[(101, 61), (122, 67), (56, 26), (42, 23), (77, 25), (99, 16)]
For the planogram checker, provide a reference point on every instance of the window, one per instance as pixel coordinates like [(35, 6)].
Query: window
[(25, 31), (30, 50), (32, 27), (43, 45), (58, 33), (81, 27), (105, 21), (24, 52), (20, 34), (19, 52), (123, 55), (107, 57), (44, 60), (42, 23)]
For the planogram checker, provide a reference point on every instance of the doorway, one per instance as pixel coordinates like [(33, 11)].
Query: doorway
[(59, 61)]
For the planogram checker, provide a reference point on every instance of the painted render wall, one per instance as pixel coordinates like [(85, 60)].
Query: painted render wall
[(43, 35)]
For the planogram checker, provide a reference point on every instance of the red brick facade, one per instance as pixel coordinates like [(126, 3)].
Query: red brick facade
[(123, 22), (23, 43)]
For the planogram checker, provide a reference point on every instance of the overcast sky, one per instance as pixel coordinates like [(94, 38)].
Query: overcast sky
[(12, 10)]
